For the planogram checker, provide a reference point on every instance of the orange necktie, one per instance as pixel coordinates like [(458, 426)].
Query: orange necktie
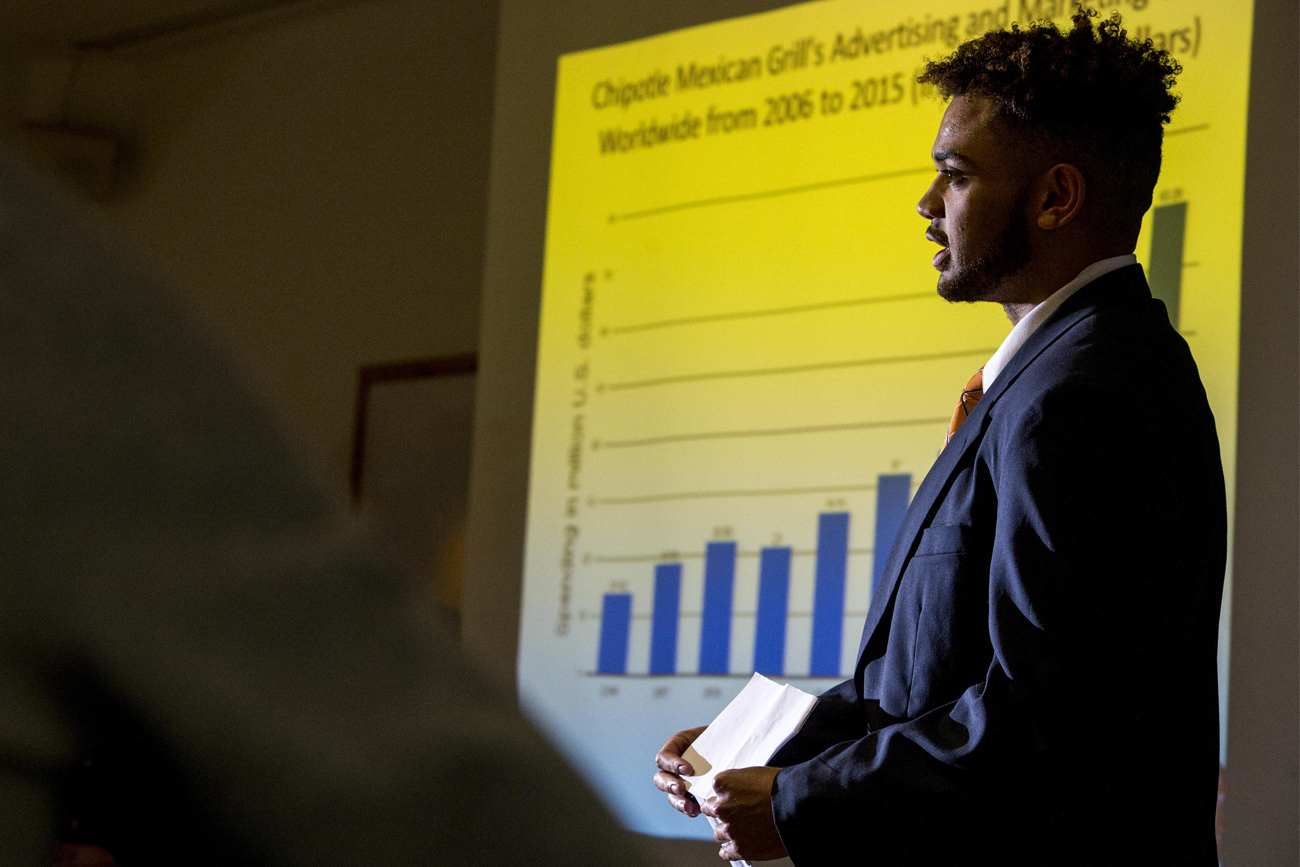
[(971, 396)]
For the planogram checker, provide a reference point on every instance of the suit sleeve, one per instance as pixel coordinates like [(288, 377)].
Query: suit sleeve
[(1063, 530), (837, 716)]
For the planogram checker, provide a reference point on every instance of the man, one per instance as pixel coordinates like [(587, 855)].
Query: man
[(180, 601), (1036, 680)]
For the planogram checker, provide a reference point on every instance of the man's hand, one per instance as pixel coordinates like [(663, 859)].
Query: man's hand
[(743, 807), (671, 768)]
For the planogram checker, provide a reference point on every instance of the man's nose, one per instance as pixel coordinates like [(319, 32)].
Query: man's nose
[(931, 204)]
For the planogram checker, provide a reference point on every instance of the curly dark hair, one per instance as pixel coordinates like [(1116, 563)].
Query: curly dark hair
[(1090, 96)]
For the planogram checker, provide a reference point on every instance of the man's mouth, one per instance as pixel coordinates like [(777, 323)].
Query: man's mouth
[(941, 258)]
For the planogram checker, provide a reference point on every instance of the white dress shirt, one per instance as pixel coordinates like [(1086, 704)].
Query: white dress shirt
[(1036, 317)]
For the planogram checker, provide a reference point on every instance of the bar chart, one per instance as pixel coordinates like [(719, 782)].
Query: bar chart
[(772, 614), (1168, 228)]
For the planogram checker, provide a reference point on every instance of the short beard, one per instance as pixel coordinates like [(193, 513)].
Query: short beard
[(1006, 256)]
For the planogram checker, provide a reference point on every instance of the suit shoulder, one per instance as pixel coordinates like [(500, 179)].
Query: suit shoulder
[(1118, 379), (1124, 350)]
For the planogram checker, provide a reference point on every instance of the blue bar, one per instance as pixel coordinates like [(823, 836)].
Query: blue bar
[(667, 612), (828, 593), (892, 493), (715, 620), (615, 627), (773, 607)]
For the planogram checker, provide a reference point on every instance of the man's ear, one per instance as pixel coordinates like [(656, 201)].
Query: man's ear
[(1062, 191)]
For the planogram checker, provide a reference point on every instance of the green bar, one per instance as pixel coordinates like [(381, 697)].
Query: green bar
[(1166, 273)]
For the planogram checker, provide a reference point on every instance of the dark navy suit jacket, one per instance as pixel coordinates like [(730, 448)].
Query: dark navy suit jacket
[(1036, 682)]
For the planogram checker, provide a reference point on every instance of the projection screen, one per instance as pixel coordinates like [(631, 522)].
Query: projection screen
[(743, 368)]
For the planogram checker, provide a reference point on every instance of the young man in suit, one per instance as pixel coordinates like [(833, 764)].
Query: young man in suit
[(1036, 682)]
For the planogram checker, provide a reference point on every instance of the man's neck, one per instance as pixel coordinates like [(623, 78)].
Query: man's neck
[(1039, 281), (1019, 310)]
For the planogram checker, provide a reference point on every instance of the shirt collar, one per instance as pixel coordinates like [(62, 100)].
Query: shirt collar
[(1029, 323)]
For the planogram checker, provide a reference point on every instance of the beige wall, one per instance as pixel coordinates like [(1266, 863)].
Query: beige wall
[(310, 184), (1262, 780)]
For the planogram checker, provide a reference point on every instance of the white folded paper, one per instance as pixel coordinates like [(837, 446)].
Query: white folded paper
[(746, 734)]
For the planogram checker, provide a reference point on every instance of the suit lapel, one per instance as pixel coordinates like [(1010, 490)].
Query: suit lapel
[(918, 515), (928, 496)]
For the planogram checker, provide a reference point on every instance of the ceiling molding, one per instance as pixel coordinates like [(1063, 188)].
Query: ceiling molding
[(202, 20), (31, 26)]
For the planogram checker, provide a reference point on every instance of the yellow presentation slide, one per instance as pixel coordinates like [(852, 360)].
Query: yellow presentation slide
[(744, 370)]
